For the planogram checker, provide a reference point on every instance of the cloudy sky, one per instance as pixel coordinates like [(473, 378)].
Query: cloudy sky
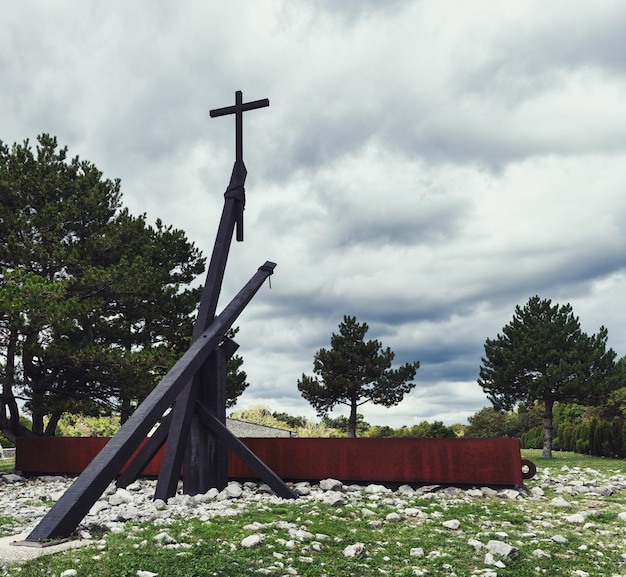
[(424, 165)]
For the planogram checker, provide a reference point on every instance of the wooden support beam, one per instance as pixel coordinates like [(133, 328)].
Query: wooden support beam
[(146, 454), (75, 503), (232, 217), (246, 455), (206, 458)]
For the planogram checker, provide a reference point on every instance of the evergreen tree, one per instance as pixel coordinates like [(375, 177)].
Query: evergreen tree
[(236, 382), (94, 303), (353, 372), (543, 355)]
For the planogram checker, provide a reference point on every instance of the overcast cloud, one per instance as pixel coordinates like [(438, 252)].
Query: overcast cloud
[(424, 165)]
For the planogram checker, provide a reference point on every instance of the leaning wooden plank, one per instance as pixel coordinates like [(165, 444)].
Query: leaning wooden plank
[(246, 455), (143, 457), (75, 503)]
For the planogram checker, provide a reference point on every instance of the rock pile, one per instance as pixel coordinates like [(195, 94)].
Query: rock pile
[(577, 496)]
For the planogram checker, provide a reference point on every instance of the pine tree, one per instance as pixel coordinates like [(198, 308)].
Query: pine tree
[(543, 355), (354, 372)]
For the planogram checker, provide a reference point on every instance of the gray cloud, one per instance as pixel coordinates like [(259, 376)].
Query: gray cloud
[(424, 166)]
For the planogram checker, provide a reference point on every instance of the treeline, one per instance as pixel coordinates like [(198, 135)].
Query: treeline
[(598, 431), (338, 426), (582, 430)]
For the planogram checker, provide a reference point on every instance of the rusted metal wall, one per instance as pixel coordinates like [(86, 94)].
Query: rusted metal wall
[(65, 455), (442, 461), (453, 461)]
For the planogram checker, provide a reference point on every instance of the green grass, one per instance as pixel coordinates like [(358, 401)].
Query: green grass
[(7, 525), (213, 548), (7, 464), (565, 458)]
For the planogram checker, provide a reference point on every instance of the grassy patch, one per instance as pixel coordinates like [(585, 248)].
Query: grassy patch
[(7, 464), (565, 458), (6, 526), (308, 538), (43, 502)]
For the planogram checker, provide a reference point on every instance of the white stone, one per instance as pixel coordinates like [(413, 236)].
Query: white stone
[(98, 507), (305, 559), (374, 489), (356, 550), (331, 485), (120, 497), (478, 545), (509, 494), (334, 498), (164, 538), (127, 513), (501, 548), (452, 524), (541, 554), (393, 517), (302, 534), (141, 573), (406, 490), (488, 492), (252, 541), (302, 489), (69, 573), (13, 478), (233, 490), (416, 552)]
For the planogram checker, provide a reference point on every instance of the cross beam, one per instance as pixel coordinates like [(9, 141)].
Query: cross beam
[(238, 110)]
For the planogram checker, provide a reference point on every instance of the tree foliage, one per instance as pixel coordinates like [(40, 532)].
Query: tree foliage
[(342, 424), (422, 430), (94, 303), (236, 382), (259, 415), (543, 355), (491, 423), (353, 372)]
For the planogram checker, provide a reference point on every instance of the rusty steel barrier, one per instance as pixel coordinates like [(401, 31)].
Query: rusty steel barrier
[(419, 461)]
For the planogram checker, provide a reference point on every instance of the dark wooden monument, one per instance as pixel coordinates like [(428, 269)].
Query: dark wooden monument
[(195, 429)]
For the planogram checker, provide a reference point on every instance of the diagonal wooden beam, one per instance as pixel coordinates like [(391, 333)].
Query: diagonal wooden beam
[(144, 456), (75, 503), (246, 455)]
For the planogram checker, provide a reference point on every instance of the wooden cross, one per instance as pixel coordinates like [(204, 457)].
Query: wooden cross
[(235, 188), (238, 110)]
